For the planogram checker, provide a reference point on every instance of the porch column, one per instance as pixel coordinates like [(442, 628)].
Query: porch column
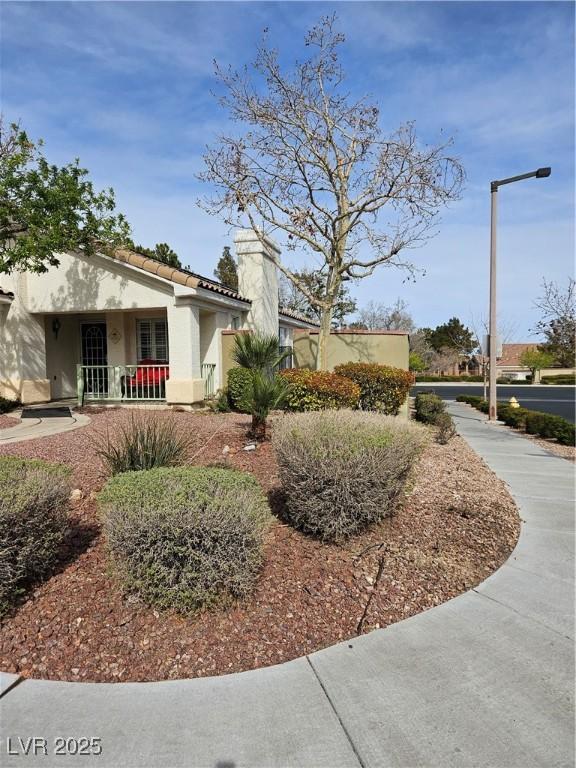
[(29, 336), (185, 384)]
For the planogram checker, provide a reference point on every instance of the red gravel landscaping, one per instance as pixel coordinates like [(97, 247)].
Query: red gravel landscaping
[(456, 526)]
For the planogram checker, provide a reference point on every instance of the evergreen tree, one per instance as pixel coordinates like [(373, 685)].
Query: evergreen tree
[(452, 335), (164, 253), (226, 271)]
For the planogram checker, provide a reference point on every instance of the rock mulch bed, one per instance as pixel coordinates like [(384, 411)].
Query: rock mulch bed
[(8, 420), (456, 526)]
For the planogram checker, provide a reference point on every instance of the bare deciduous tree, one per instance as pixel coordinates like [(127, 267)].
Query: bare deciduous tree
[(558, 320), (376, 316), (314, 165)]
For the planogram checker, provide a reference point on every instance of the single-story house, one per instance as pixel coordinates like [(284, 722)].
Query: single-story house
[(129, 328), (509, 365)]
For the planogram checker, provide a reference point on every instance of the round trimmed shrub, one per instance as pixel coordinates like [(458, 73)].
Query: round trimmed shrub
[(185, 538), (382, 388), (428, 407), (240, 389), (318, 390), (34, 498), (343, 470)]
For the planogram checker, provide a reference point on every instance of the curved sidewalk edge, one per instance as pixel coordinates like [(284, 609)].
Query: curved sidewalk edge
[(33, 428), (483, 680)]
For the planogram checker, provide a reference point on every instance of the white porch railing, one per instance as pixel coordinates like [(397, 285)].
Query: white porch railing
[(124, 383), (121, 382), (208, 374)]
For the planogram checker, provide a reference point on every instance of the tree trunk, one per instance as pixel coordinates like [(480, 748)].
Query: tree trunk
[(323, 338), (258, 428)]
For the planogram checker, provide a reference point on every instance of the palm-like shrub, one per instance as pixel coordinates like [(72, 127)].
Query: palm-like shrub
[(343, 470), (147, 441), (257, 351), (185, 538), (257, 390), (268, 393), (34, 499)]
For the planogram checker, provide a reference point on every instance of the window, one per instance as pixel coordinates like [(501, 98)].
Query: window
[(285, 339), (235, 323), (152, 340)]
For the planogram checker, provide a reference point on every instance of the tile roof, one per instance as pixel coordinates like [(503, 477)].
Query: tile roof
[(511, 353), (175, 275), (296, 316)]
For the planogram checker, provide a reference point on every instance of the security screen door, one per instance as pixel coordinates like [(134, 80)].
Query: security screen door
[(95, 358)]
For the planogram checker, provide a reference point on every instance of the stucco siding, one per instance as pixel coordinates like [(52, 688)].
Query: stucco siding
[(382, 348), (92, 284)]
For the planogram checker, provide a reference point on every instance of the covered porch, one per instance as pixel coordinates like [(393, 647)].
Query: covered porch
[(129, 356)]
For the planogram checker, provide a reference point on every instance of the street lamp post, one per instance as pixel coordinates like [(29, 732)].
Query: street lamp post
[(541, 173)]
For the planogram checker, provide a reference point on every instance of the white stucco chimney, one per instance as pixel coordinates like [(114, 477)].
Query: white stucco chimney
[(258, 279)]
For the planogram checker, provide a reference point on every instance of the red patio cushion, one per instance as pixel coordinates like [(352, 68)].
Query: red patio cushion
[(149, 376)]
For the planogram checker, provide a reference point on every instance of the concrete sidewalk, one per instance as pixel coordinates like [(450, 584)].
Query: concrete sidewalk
[(32, 428), (483, 680)]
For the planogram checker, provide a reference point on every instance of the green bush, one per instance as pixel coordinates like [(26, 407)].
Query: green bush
[(446, 428), (423, 378), (240, 389), (431, 409), (516, 382), (147, 441), (341, 471), (428, 407), (34, 499), (7, 405), (564, 378), (318, 390), (512, 417), (220, 402), (544, 425), (185, 538), (382, 388), (470, 399), (550, 427)]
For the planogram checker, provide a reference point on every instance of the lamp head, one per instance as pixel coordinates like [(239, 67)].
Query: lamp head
[(543, 173)]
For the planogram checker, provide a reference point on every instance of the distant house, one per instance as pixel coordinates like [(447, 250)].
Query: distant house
[(509, 365), (130, 328)]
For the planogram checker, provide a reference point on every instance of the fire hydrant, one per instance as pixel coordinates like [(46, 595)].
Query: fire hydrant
[(514, 403)]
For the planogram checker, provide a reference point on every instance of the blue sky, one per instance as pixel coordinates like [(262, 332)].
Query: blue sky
[(126, 87)]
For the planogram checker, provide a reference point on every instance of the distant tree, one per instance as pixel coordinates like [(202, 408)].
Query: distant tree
[(161, 252), (379, 317), (419, 346), (416, 363), (293, 299), (164, 253), (452, 335), (46, 209), (536, 359), (558, 321), (226, 271), (308, 160)]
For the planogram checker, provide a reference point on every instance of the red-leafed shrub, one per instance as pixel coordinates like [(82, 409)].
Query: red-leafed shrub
[(318, 390), (382, 388)]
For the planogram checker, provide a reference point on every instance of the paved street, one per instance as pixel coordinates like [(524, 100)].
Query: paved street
[(557, 400)]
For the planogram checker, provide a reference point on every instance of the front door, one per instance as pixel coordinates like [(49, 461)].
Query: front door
[(95, 359)]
